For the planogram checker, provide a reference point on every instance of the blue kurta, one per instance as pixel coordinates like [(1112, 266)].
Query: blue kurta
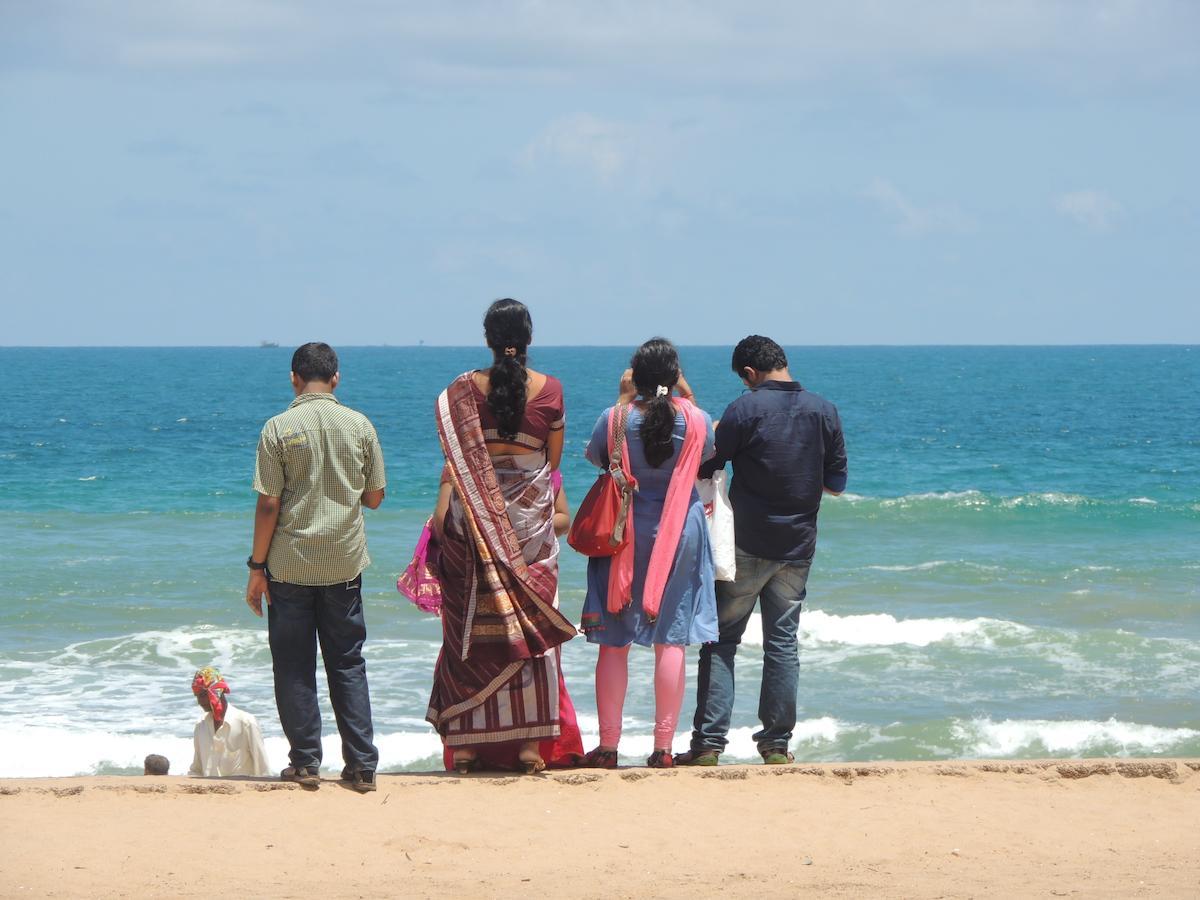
[(688, 613)]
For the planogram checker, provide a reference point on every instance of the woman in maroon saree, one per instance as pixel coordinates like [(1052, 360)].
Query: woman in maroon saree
[(498, 695)]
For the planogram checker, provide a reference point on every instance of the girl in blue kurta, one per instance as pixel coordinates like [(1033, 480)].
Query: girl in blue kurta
[(687, 612)]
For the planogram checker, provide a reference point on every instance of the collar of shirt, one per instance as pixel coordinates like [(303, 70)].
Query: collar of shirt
[(305, 398), (779, 386)]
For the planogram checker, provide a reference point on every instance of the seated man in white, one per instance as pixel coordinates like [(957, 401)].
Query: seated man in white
[(228, 741)]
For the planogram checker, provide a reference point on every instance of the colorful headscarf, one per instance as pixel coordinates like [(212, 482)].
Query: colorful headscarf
[(208, 680)]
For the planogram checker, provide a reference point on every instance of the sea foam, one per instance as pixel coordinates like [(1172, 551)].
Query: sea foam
[(1073, 737), (38, 751), (884, 630)]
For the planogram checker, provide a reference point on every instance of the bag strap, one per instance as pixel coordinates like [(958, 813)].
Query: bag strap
[(617, 471), (622, 413), (618, 421)]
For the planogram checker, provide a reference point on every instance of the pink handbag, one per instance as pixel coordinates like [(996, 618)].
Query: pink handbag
[(419, 582)]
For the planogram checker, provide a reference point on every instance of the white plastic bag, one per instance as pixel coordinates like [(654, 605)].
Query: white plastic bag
[(715, 496)]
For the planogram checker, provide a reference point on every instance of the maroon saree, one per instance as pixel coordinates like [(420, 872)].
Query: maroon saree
[(498, 677)]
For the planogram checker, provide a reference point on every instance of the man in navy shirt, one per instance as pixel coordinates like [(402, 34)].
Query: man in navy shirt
[(787, 450)]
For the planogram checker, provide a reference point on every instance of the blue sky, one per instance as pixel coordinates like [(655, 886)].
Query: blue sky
[(229, 171)]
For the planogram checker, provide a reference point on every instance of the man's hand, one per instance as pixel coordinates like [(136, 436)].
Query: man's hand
[(256, 590)]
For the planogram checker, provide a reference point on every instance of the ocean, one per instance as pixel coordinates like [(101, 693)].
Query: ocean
[(1012, 573)]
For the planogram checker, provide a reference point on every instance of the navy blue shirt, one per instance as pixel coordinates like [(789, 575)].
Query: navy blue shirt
[(786, 446)]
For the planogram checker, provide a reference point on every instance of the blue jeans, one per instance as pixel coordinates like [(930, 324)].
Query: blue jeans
[(780, 586), (298, 617)]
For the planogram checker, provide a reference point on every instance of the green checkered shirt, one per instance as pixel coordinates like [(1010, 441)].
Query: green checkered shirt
[(318, 457)]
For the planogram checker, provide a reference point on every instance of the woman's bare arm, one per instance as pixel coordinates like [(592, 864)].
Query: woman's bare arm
[(440, 508), (562, 513), (554, 448)]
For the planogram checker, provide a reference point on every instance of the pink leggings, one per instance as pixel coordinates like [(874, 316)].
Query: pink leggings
[(612, 678)]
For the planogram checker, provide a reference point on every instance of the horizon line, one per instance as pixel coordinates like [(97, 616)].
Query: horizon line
[(426, 346)]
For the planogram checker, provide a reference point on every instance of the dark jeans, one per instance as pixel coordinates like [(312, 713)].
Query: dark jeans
[(780, 586), (299, 616)]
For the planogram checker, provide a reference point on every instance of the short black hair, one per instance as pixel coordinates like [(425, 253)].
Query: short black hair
[(758, 353), (157, 765), (315, 361)]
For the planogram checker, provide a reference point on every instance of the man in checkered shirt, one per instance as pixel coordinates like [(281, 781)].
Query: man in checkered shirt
[(319, 463)]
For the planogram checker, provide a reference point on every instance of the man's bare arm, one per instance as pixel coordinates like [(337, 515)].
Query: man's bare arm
[(372, 499), (266, 517)]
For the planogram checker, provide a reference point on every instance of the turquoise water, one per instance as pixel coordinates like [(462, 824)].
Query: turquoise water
[(1013, 572)]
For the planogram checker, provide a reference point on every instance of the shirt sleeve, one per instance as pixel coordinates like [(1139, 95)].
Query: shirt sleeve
[(710, 439), (726, 442), (597, 448), (268, 465), (835, 452), (558, 410), (373, 468)]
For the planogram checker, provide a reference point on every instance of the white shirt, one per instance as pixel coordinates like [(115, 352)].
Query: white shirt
[(236, 748)]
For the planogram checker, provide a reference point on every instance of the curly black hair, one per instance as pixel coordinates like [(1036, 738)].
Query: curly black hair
[(759, 353), (508, 329)]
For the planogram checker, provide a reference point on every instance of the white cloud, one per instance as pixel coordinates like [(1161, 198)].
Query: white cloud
[(678, 41), (601, 147), (1090, 208), (913, 220)]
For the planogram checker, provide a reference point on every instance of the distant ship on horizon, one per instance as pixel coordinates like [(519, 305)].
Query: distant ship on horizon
[(266, 344)]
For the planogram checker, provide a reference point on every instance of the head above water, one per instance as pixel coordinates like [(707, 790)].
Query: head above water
[(156, 765), (655, 367), (508, 330), (757, 359), (314, 367)]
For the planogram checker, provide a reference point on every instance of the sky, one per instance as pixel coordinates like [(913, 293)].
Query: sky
[(223, 172)]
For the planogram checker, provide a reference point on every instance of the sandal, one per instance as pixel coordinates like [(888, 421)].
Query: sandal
[(361, 780), (530, 759), (697, 758), (661, 759), (466, 762), (777, 756), (305, 776), (599, 759)]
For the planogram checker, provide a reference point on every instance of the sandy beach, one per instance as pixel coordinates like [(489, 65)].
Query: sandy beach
[(1100, 828)]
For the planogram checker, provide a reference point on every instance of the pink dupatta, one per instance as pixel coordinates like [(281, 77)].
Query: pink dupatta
[(670, 525)]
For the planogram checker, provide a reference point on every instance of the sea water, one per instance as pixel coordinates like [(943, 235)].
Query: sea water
[(1012, 573)]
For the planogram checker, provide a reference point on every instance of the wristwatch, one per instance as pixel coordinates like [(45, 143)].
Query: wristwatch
[(257, 567)]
